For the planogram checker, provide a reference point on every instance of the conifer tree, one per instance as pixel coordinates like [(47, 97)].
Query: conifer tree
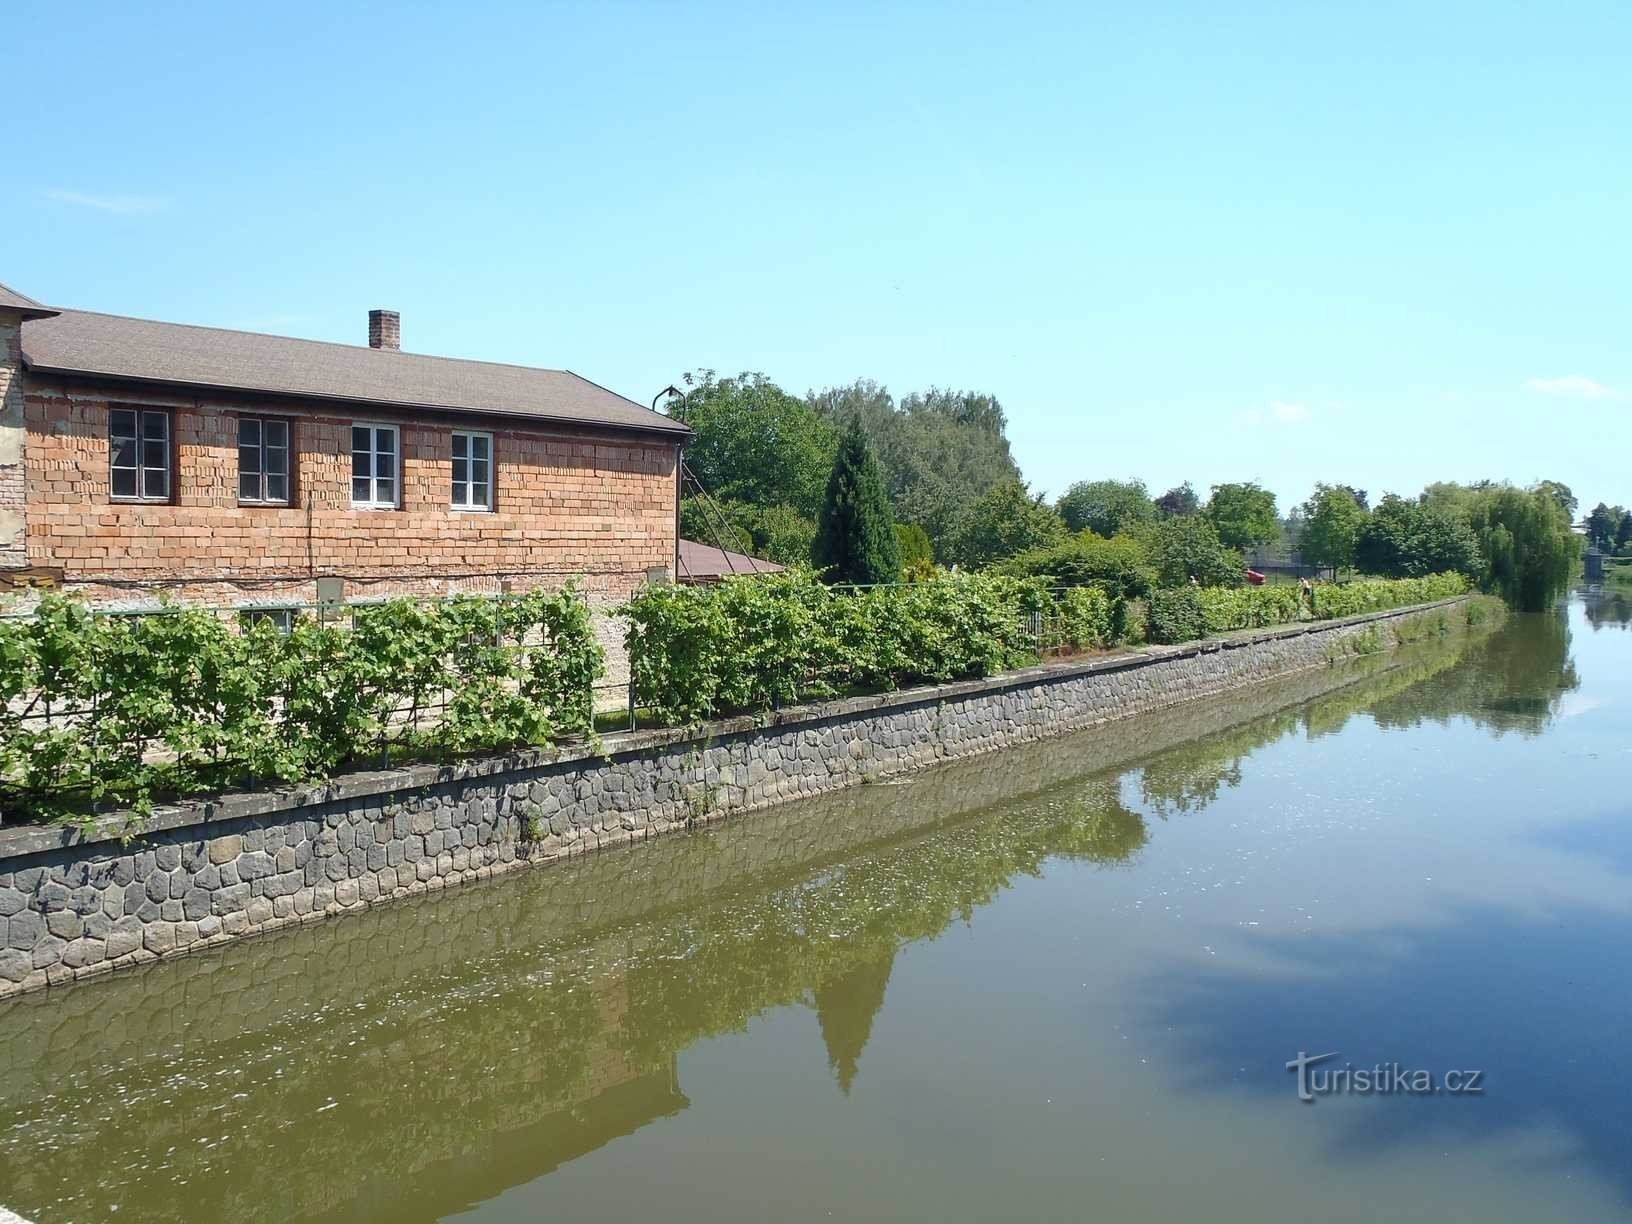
[(855, 534)]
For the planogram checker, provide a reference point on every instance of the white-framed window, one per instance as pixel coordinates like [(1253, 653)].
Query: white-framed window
[(263, 460), (281, 619), (375, 465), (472, 470), (139, 454)]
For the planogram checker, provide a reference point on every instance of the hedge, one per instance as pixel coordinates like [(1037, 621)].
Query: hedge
[(1379, 594), (98, 708), (752, 643), (1227, 608), (1183, 614)]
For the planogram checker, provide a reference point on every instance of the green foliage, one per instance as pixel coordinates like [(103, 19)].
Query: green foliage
[(855, 536), (752, 643), (1247, 607), (755, 442), (182, 701), (917, 553), (1005, 522), (1083, 618), (1175, 615), (1560, 493), (1528, 547), (1331, 523), (1187, 548), (1334, 599), (1120, 565), (1106, 507), (1605, 524), (1408, 539), (1182, 614), (1244, 515), (938, 450), (776, 533), (1179, 500)]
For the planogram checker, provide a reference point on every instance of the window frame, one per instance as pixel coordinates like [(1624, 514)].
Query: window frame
[(141, 412), (469, 483), (281, 617), (374, 502), (288, 460)]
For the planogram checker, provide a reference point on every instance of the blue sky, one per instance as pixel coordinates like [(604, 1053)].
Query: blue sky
[(1380, 244)]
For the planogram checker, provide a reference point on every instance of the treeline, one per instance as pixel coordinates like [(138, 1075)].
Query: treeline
[(765, 456), (874, 489), (1609, 529)]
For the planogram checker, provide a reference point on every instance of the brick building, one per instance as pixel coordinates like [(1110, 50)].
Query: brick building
[(236, 469)]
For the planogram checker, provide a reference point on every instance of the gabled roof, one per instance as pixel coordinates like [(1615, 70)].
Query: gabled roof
[(10, 299), (211, 358)]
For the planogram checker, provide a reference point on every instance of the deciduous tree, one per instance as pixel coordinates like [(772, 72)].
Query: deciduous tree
[(1332, 518), (1244, 514), (1106, 507), (755, 442), (1007, 521)]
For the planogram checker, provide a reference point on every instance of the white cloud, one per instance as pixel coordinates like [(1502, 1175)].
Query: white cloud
[(107, 203), (1279, 412), (1578, 386)]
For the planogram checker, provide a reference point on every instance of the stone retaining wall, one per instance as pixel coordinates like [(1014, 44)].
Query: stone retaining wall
[(76, 904)]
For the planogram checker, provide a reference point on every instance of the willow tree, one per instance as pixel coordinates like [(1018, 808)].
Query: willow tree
[(1529, 549)]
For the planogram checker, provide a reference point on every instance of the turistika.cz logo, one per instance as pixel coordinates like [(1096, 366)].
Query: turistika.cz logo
[(1383, 1079)]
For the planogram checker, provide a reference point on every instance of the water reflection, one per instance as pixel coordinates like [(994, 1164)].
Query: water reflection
[(412, 1062), (1513, 681), (1608, 607), (1492, 990)]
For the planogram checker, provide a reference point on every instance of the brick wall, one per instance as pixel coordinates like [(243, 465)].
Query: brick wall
[(596, 506), (13, 551)]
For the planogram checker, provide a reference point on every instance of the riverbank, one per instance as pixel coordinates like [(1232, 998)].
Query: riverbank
[(81, 903)]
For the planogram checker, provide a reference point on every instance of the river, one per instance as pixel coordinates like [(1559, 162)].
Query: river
[(1062, 982)]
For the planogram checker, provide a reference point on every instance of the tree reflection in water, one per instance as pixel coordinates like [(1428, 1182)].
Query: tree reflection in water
[(425, 1056)]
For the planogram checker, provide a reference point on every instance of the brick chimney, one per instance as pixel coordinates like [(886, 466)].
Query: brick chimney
[(384, 329)]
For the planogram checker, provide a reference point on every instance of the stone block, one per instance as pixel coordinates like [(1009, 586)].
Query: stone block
[(82, 953), (65, 924)]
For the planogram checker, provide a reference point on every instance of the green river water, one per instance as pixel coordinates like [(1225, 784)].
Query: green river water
[(1058, 983)]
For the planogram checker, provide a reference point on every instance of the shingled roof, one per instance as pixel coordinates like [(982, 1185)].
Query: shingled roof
[(211, 358), (10, 299)]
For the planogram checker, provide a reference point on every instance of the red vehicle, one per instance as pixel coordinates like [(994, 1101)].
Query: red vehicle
[(1254, 577)]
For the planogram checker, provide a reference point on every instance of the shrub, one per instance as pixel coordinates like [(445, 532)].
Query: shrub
[(1188, 547), (1085, 618), (1175, 615), (917, 553), (1120, 565), (183, 700)]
